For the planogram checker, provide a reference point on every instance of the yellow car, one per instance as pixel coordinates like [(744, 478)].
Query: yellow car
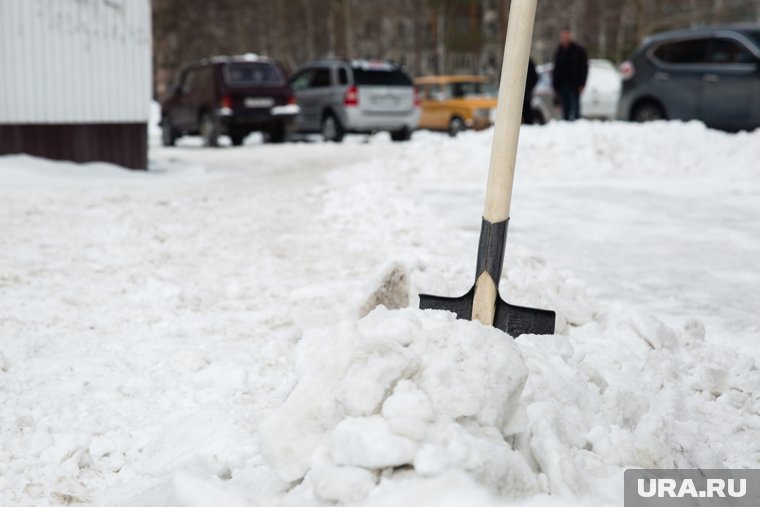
[(455, 103)]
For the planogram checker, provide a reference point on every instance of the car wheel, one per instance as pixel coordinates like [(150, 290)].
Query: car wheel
[(648, 110), (168, 134), (405, 134), (209, 130), (276, 134), (456, 125), (332, 129), (237, 138)]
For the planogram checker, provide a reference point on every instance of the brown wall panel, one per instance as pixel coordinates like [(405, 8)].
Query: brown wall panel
[(124, 144)]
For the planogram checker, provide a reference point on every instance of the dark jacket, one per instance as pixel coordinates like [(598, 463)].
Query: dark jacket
[(570, 67)]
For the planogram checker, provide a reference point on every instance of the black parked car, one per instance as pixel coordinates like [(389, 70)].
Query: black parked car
[(707, 74), (233, 95)]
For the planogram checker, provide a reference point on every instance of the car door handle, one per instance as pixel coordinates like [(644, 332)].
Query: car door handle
[(711, 78), (661, 76)]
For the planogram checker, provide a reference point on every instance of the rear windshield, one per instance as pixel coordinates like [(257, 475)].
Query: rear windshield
[(381, 77), (253, 74)]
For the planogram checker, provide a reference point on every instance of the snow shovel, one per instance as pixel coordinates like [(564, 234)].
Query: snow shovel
[(483, 302)]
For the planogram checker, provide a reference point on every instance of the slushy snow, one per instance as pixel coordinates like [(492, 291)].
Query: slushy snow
[(239, 326)]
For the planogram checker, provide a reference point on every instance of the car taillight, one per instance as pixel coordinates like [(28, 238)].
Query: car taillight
[(352, 97), (416, 98), (291, 100), (226, 102), (627, 70)]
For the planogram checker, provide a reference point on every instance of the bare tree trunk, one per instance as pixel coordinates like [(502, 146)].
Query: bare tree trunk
[(308, 19), (348, 34), (330, 30), (440, 42), (418, 38), (620, 39), (601, 41)]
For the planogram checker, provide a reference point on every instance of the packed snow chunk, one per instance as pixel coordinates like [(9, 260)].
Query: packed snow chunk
[(402, 390), (390, 290), (482, 452), (368, 442), (472, 371), (341, 483), (289, 437), (375, 368), (408, 411)]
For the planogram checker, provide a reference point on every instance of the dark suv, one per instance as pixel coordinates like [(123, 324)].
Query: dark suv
[(707, 74), (233, 95)]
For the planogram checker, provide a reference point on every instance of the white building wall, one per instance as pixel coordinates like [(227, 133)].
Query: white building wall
[(75, 61)]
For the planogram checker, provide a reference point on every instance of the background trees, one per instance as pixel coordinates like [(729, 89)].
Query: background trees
[(427, 36)]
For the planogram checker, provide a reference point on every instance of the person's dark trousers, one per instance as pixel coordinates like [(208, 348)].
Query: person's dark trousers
[(527, 112), (571, 103)]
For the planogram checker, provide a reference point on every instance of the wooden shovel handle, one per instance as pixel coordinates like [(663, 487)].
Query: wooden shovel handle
[(514, 70), (501, 171)]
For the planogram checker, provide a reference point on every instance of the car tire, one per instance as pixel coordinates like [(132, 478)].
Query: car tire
[(168, 133), (648, 110), (456, 125), (404, 134), (331, 129), (276, 135), (209, 129), (237, 138)]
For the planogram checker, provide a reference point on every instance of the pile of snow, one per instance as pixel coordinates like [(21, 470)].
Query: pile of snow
[(404, 388), (406, 397)]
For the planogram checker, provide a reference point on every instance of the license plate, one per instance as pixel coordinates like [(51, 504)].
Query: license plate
[(385, 100), (258, 102)]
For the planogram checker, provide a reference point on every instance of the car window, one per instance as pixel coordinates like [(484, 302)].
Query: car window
[(683, 52), (253, 74), (380, 77), (435, 92), (726, 51), (301, 80), (342, 76), (753, 36), (469, 89), (320, 79)]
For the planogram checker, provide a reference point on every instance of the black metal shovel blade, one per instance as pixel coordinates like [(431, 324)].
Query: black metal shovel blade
[(513, 320)]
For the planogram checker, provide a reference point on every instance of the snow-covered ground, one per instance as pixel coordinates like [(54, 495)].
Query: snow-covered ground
[(206, 333)]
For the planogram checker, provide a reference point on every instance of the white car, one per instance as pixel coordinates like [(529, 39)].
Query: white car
[(599, 99), (602, 94)]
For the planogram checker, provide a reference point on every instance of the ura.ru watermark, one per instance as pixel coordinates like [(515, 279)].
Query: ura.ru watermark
[(673, 488)]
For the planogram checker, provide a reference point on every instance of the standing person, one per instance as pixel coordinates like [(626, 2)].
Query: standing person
[(530, 83), (569, 75)]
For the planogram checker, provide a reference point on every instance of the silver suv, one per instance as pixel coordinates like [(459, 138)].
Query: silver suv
[(340, 96)]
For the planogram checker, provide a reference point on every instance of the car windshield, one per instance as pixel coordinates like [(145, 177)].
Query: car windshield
[(470, 89), (254, 74), (379, 77)]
